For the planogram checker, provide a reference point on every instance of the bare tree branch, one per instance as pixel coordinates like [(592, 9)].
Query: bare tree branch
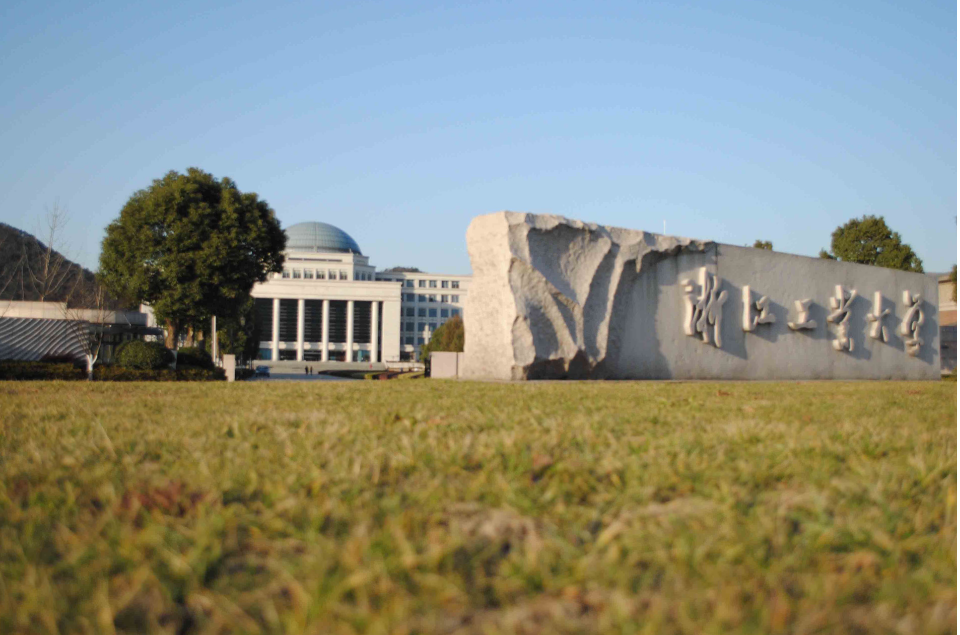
[(87, 325), (51, 271)]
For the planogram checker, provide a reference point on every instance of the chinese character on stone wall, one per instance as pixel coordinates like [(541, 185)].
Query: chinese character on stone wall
[(704, 312), (878, 331), (751, 321), (910, 326), (803, 316), (841, 316)]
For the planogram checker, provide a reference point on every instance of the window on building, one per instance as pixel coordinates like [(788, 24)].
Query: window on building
[(433, 298), (444, 313), (343, 275), (420, 327), (308, 274), (454, 312), (410, 311), (356, 275), (321, 274), (432, 313), (422, 312), (432, 327), (419, 341), (433, 284), (444, 298), (286, 273), (408, 340), (455, 298), (421, 297), (408, 327), (332, 275), (445, 284), (422, 284), (296, 274), (408, 283), (455, 284), (409, 297)]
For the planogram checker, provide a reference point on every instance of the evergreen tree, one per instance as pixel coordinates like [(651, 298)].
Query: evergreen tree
[(869, 241), (449, 338), (191, 247)]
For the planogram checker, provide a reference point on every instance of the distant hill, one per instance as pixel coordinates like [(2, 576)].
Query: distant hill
[(21, 252)]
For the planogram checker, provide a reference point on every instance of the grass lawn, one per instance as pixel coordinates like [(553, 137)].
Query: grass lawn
[(445, 507)]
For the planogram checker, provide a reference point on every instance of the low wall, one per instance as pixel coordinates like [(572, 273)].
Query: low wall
[(558, 298), (445, 365)]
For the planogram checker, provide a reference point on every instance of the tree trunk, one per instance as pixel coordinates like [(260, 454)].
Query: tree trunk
[(90, 362), (171, 336)]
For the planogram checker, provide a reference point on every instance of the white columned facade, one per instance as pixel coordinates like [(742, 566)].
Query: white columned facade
[(349, 357), (325, 333), (275, 338), (300, 317), (374, 324)]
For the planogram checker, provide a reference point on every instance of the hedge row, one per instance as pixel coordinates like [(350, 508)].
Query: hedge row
[(15, 370), (39, 370), (115, 373)]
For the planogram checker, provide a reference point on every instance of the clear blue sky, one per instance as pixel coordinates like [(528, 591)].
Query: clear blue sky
[(399, 122)]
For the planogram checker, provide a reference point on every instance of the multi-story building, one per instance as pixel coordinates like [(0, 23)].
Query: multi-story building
[(330, 304), (427, 301)]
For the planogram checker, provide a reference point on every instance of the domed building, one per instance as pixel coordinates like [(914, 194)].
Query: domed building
[(331, 305), (320, 237)]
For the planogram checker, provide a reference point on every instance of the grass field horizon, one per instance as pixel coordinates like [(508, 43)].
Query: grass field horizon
[(467, 507)]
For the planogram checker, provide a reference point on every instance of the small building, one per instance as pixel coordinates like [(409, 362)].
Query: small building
[(33, 331)]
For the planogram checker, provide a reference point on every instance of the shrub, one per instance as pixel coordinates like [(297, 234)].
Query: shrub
[(191, 356), (18, 370), (62, 358), (115, 373), (21, 371), (139, 355), (242, 374)]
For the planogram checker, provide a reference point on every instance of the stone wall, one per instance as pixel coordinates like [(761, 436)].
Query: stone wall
[(559, 298)]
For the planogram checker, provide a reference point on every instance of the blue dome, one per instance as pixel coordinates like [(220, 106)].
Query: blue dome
[(320, 237)]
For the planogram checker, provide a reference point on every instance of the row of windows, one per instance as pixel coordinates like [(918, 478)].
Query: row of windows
[(324, 274), (410, 339), (425, 312), (419, 327), (420, 297), (428, 284)]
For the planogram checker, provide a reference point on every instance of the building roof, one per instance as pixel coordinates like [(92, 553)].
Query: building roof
[(320, 237)]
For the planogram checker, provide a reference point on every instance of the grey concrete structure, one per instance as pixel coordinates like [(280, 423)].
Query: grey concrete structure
[(559, 298), (444, 365)]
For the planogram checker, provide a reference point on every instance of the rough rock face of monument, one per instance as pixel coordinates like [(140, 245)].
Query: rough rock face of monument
[(556, 298)]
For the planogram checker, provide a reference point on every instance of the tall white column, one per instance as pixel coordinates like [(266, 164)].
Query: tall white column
[(374, 323), (349, 330), (275, 339), (325, 333), (300, 317)]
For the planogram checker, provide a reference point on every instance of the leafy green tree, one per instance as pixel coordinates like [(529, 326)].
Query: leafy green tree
[(953, 279), (192, 247), (238, 334), (449, 337), (869, 241), (763, 244)]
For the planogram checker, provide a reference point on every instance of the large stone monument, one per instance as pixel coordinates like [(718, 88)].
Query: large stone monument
[(557, 298)]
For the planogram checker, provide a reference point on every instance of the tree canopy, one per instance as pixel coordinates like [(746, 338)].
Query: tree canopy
[(953, 279), (449, 337), (763, 244), (869, 241), (192, 247)]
